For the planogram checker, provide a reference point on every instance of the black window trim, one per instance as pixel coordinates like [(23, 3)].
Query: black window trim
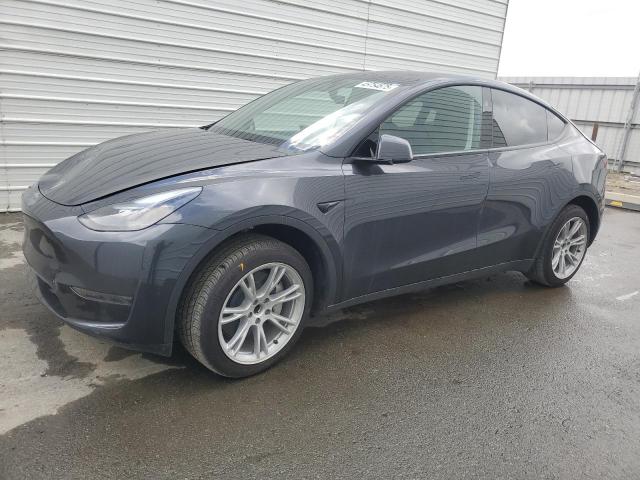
[(528, 145), (475, 151), (429, 90), (564, 122)]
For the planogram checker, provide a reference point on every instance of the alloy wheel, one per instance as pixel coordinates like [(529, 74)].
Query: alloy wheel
[(569, 247), (261, 313)]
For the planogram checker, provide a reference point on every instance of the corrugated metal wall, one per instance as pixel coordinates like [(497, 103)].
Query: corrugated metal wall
[(587, 100), (74, 73)]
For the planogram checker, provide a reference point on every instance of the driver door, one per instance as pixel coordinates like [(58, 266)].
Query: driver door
[(410, 222)]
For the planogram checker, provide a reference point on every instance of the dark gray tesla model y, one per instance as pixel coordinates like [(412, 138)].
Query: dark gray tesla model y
[(322, 194)]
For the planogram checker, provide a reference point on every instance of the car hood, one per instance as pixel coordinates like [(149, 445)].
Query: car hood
[(126, 162)]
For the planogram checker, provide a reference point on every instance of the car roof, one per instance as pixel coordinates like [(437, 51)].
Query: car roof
[(410, 78), (401, 77)]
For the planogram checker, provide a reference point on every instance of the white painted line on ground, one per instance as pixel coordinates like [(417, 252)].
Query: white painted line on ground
[(627, 296)]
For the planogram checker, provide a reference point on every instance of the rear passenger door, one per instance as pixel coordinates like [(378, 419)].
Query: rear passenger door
[(527, 178)]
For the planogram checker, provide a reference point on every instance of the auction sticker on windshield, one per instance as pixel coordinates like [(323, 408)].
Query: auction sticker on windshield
[(382, 86)]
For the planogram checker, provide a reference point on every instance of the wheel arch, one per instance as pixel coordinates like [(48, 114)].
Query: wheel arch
[(317, 250), (309, 249), (590, 207)]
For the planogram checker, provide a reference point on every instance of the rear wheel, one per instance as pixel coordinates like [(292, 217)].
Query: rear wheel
[(563, 249), (246, 306)]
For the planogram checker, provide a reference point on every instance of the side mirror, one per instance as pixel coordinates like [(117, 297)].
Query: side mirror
[(392, 149)]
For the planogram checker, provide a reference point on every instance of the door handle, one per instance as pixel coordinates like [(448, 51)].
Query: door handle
[(470, 176)]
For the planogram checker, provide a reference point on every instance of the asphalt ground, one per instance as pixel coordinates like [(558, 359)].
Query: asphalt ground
[(494, 378)]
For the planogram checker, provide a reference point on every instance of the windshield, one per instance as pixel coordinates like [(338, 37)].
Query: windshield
[(304, 115)]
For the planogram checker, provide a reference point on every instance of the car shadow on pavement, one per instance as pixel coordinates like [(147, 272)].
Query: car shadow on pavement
[(474, 303)]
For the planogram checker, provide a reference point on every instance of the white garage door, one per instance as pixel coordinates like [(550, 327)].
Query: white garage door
[(77, 72)]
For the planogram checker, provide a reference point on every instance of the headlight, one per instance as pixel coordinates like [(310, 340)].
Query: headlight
[(138, 213)]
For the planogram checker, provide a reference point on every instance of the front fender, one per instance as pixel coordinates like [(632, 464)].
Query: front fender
[(320, 235)]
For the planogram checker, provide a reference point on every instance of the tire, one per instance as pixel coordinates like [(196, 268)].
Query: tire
[(542, 271), (202, 326)]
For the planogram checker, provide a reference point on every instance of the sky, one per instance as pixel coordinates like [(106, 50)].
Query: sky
[(571, 38)]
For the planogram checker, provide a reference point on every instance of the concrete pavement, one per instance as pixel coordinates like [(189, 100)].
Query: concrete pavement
[(494, 378)]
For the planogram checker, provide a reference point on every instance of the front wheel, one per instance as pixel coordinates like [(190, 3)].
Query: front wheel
[(563, 248), (246, 307)]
